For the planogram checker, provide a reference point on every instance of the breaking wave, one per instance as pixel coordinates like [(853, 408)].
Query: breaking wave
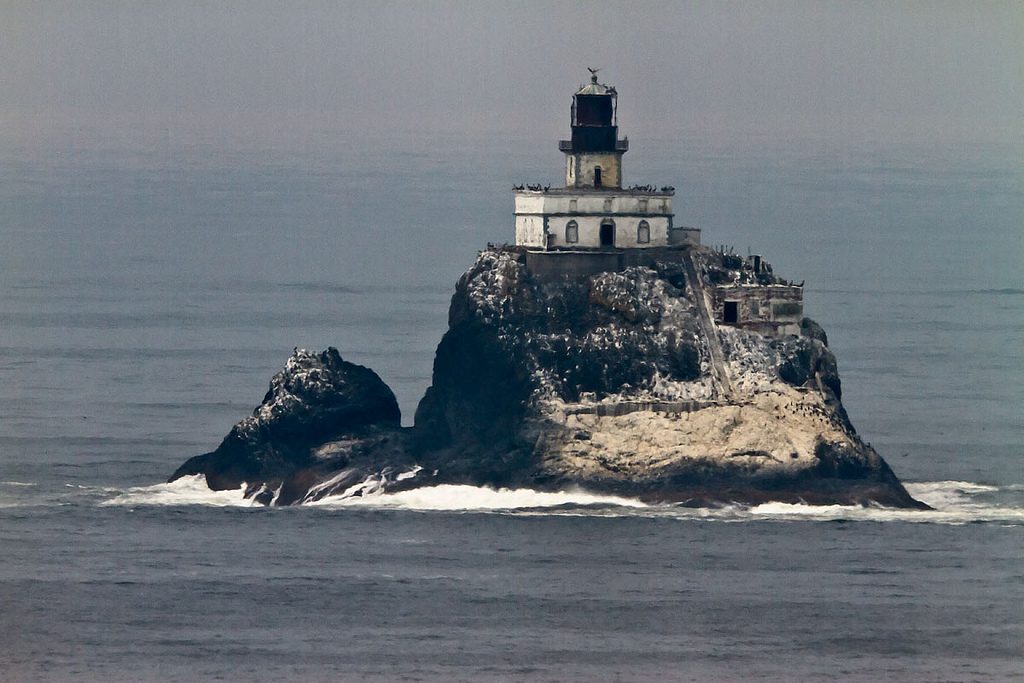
[(184, 491), (468, 498), (954, 502), (193, 490)]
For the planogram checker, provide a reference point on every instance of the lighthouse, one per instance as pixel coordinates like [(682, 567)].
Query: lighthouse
[(594, 213), (593, 157)]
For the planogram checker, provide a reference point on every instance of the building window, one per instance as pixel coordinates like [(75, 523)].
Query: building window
[(572, 232), (643, 233), (597, 176), (572, 205), (607, 234)]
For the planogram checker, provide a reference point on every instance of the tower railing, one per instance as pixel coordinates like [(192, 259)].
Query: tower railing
[(620, 145)]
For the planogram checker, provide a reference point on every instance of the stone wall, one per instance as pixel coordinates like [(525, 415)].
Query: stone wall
[(768, 309), (552, 264), (580, 167)]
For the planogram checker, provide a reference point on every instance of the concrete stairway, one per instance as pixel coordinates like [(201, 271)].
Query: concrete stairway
[(707, 323)]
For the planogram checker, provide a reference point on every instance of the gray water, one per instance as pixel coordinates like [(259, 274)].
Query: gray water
[(150, 285)]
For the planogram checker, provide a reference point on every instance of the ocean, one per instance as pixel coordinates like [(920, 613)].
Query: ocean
[(151, 283)]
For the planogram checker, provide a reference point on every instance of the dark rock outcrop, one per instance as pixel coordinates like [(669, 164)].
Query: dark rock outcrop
[(809, 328), (613, 382), (323, 418)]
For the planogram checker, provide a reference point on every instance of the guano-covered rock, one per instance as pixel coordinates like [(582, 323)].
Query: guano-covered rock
[(615, 382)]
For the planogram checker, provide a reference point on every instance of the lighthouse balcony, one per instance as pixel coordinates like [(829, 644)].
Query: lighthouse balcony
[(603, 192), (568, 146)]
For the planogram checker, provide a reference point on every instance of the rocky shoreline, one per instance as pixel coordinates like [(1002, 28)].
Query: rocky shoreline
[(609, 382)]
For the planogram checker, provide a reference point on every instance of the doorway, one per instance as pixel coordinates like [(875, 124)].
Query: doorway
[(731, 312), (607, 234)]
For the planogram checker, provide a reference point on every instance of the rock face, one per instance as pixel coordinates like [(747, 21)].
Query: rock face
[(323, 420), (616, 382), (611, 382)]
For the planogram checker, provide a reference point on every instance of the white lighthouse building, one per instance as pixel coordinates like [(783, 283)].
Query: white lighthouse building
[(594, 213)]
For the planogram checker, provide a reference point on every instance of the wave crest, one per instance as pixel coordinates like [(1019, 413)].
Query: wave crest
[(954, 502), (461, 497), (190, 490)]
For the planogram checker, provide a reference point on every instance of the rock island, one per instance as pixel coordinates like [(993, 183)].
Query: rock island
[(606, 349)]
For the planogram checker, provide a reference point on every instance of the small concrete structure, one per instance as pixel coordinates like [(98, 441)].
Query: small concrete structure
[(593, 212), (767, 309), (756, 300)]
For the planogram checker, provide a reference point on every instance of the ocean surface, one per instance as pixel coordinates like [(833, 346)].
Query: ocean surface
[(151, 283)]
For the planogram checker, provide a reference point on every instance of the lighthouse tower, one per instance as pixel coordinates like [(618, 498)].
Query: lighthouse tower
[(593, 157), (594, 222)]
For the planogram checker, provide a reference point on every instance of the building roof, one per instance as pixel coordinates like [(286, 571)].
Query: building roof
[(595, 88)]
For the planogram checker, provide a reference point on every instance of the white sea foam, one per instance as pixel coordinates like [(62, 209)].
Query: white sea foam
[(410, 474), (942, 494), (467, 498), (954, 502), (827, 513), (964, 486), (15, 499), (191, 490)]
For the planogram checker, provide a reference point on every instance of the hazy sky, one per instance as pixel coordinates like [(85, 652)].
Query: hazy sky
[(952, 69)]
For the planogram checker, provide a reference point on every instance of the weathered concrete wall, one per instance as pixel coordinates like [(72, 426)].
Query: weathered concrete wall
[(528, 201), (573, 264), (606, 202), (688, 236), (530, 231), (580, 263), (763, 308), (626, 231), (537, 211), (579, 169)]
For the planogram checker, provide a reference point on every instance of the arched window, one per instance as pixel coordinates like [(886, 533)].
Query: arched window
[(572, 232), (643, 233)]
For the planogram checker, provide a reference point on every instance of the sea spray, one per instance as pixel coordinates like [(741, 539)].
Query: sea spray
[(190, 490), (954, 503), (460, 497)]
